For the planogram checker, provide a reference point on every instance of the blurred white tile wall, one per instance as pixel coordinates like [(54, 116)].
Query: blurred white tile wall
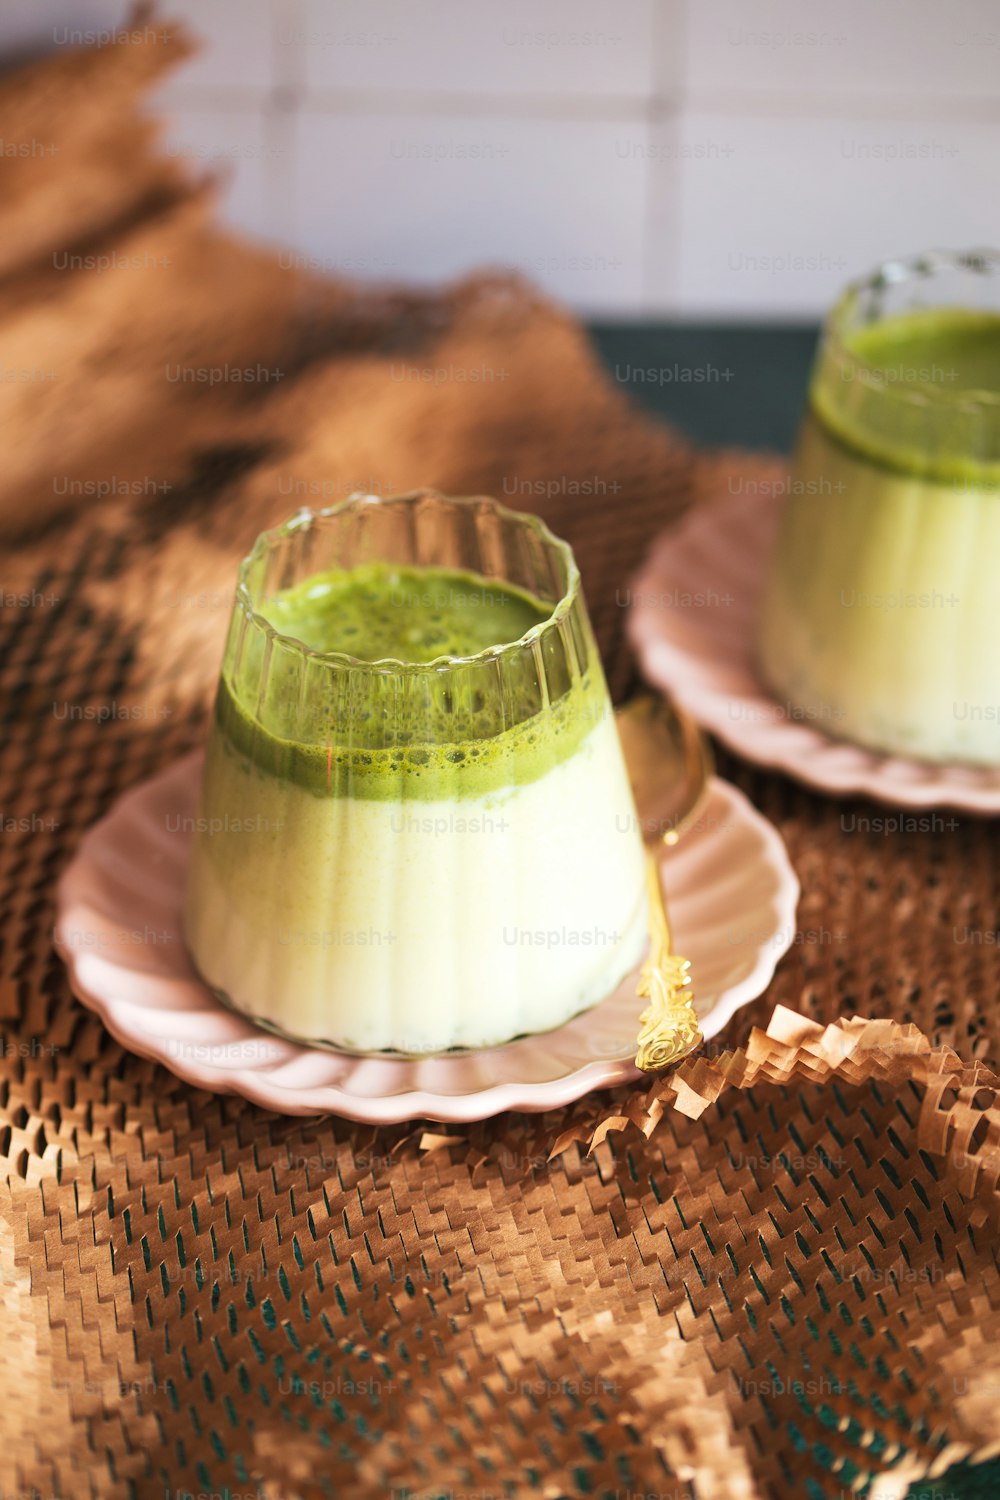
[(686, 158)]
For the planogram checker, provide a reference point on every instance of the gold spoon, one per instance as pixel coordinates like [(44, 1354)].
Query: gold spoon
[(664, 748)]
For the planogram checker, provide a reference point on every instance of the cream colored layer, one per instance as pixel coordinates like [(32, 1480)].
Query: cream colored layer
[(880, 618), (425, 925)]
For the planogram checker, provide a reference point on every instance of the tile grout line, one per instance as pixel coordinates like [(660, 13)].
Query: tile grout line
[(288, 69), (666, 87), (655, 108)]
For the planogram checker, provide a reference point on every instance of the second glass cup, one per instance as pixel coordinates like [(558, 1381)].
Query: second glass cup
[(880, 618), (434, 848)]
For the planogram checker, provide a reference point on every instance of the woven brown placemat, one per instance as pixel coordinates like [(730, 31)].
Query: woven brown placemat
[(782, 1292)]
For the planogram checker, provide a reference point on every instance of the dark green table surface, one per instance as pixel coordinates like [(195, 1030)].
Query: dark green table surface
[(737, 384)]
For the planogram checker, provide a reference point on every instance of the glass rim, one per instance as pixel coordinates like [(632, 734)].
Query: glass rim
[(894, 272), (305, 518)]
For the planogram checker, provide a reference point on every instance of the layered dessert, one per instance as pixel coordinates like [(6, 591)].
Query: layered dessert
[(418, 832), (881, 613)]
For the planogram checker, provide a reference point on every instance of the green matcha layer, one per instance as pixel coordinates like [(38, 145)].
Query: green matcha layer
[(956, 348), (377, 612), (950, 356), (378, 729)]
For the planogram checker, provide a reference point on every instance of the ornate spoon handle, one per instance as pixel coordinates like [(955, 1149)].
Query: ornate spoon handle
[(669, 1028)]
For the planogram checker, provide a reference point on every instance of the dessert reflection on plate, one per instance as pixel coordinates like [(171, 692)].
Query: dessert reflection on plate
[(414, 789)]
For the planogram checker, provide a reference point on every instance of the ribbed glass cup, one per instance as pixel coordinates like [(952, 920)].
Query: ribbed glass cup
[(412, 857), (880, 616)]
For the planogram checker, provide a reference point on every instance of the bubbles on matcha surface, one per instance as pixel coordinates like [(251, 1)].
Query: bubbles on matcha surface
[(378, 612)]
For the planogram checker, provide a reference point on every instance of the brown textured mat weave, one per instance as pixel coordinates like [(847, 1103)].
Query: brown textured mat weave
[(788, 1289)]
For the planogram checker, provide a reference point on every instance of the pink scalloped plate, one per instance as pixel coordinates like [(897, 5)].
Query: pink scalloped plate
[(732, 894), (692, 624)]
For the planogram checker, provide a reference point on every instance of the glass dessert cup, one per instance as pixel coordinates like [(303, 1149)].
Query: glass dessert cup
[(880, 616), (414, 856)]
